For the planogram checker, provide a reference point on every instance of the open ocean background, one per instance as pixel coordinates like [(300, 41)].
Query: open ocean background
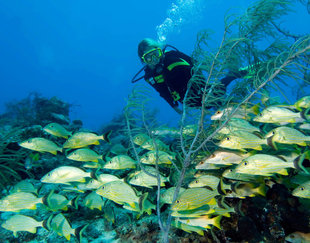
[(85, 52)]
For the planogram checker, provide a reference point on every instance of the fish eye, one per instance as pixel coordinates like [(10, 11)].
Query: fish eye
[(196, 181), (218, 112), (212, 156), (245, 163), (28, 141), (227, 138), (273, 133), (177, 201), (201, 162), (230, 170), (302, 188)]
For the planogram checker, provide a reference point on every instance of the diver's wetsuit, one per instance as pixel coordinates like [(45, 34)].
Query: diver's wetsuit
[(171, 76)]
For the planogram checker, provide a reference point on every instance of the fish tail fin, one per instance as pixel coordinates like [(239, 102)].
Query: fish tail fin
[(298, 162), (78, 232), (54, 152), (221, 187), (212, 202), (106, 136), (261, 190), (142, 200), (255, 109), (305, 114), (283, 172), (46, 198), (217, 221), (74, 202), (271, 143), (45, 224)]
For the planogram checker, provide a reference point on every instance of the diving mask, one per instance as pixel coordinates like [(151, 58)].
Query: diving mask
[(153, 54)]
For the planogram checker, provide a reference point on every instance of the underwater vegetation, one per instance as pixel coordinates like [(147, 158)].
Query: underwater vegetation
[(238, 174)]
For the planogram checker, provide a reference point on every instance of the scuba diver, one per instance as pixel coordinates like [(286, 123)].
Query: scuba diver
[(169, 72)]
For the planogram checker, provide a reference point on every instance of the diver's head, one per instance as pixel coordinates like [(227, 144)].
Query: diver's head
[(150, 52)]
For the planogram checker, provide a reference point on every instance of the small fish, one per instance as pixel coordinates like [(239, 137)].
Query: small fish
[(101, 180), (24, 186), (205, 180), (109, 214), (83, 139), (142, 179), (20, 222), (65, 174), (140, 138), (194, 213), (41, 145), (118, 149), (243, 112), (154, 145), (56, 202), (246, 189), (303, 103), (189, 130), (93, 200), (304, 126), (302, 191), (220, 157), (166, 131), (298, 237), (194, 198), (204, 221), (19, 200), (57, 130), (62, 227), (61, 117), (119, 192), (166, 196), (274, 114), (236, 124), (187, 228), (264, 164), (120, 162), (84, 155), (288, 135), (243, 140), (233, 175), (151, 156)]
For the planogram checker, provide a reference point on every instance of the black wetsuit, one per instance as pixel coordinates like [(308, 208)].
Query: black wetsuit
[(171, 76)]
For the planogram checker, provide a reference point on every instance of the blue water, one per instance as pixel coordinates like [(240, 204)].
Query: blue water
[(85, 52)]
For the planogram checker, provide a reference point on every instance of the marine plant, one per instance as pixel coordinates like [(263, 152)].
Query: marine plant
[(11, 160), (254, 39)]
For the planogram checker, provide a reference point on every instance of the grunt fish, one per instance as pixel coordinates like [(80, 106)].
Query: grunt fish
[(41, 145), (264, 164), (83, 139), (57, 130), (84, 155), (242, 140), (19, 200), (65, 174), (18, 222), (274, 114), (120, 162)]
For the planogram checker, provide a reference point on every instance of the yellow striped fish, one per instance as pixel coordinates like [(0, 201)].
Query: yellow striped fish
[(194, 198)]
